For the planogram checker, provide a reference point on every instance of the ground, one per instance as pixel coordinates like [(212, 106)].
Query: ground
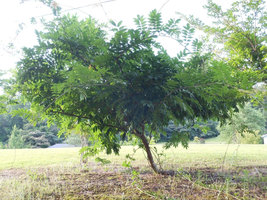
[(233, 174)]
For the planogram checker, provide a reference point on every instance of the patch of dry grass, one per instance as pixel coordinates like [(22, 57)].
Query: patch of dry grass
[(114, 182), (204, 172)]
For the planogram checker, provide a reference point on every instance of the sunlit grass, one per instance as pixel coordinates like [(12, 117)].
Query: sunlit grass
[(197, 155), (24, 158)]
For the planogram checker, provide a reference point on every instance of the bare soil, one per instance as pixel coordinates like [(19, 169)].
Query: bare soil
[(114, 182)]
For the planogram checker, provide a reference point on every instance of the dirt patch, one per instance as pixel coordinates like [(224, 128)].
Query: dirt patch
[(115, 182), (12, 173)]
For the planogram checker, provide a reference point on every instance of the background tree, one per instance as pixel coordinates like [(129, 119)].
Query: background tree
[(3, 98), (40, 136), (7, 122), (124, 84), (242, 30), (246, 126), (199, 129), (239, 34), (16, 140), (25, 128)]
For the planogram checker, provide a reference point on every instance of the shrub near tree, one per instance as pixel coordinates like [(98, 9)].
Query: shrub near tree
[(124, 84)]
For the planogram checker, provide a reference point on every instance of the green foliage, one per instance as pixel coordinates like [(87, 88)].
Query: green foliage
[(242, 31), (248, 137), (40, 136), (36, 139), (196, 139), (3, 98), (248, 121), (103, 161), (7, 122), (16, 140), (2, 146), (199, 129), (32, 135), (123, 84), (199, 140), (73, 139)]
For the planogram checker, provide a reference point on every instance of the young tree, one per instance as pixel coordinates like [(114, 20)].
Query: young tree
[(124, 84)]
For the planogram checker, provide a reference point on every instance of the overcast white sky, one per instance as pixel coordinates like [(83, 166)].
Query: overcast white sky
[(13, 13)]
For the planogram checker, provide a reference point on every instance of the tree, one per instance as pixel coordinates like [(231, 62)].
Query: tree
[(40, 135), (3, 98), (199, 129), (9, 119), (242, 30), (244, 126), (7, 122), (16, 140), (123, 84)]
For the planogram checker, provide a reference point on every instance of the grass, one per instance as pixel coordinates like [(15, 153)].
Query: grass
[(216, 140), (25, 158), (57, 174), (197, 155)]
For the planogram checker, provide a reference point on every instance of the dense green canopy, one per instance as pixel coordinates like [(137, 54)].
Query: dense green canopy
[(122, 82)]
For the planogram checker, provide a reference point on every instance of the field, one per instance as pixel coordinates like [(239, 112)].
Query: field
[(204, 171)]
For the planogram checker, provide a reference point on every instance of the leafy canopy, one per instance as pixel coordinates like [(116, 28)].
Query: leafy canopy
[(242, 30), (122, 83)]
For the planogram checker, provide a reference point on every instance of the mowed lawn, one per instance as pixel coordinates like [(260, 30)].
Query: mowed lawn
[(25, 158), (196, 156)]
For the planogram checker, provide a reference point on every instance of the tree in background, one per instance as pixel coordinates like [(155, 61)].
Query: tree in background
[(199, 129), (74, 139), (241, 33), (40, 135), (123, 84), (242, 30), (3, 98), (16, 140), (246, 126), (9, 120)]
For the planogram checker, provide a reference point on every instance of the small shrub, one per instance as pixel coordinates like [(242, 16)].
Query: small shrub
[(248, 137), (196, 139), (201, 140)]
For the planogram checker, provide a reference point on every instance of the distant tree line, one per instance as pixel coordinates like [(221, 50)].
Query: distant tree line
[(18, 132), (246, 126)]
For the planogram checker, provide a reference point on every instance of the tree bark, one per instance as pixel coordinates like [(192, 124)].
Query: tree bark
[(150, 156)]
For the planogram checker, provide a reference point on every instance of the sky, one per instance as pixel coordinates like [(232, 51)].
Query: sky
[(14, 13)]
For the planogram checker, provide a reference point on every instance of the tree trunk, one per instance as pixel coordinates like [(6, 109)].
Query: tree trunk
[(150, 157)]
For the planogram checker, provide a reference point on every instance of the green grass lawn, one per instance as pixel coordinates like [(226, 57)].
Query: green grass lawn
[(197, 156), (216, 140), (57, 174), (24, 158)]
